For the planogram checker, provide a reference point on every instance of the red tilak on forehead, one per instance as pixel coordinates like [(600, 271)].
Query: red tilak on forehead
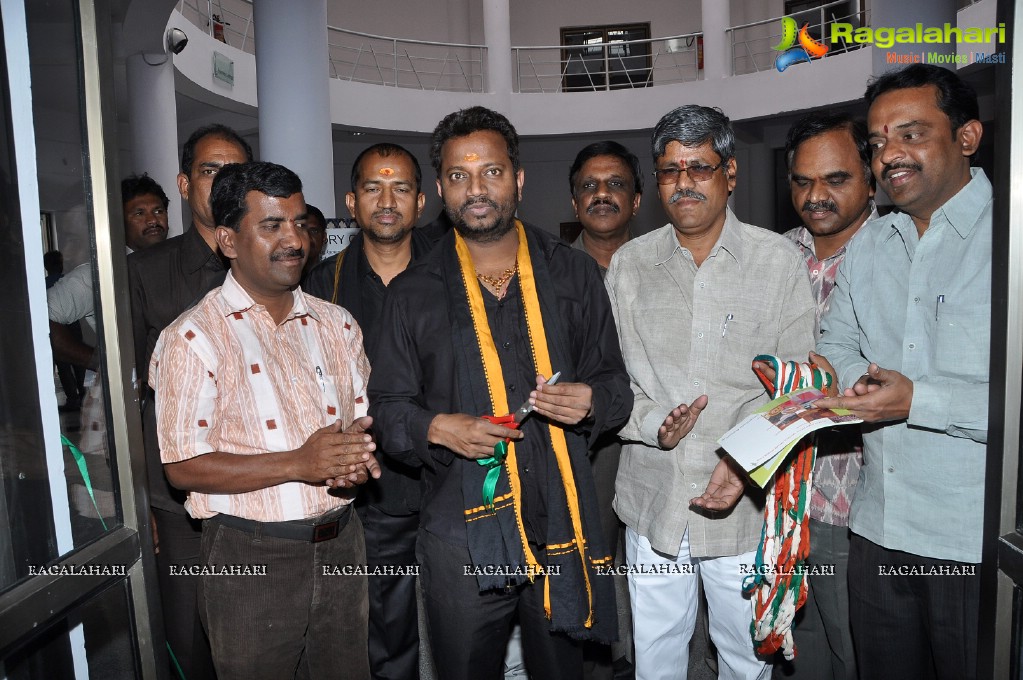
[(886, 129)]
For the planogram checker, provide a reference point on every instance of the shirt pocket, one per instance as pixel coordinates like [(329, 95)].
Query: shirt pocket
[(741, 341), (962, 347)]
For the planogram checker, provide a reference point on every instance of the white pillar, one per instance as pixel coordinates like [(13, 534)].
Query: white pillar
[(497, 34), (293, 93), (717, 47), (153, 116)]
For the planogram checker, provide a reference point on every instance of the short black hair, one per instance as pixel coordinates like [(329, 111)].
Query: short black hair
[(386, 149), (815, 124), (694, 125), (606, 148), (313, 211), (53, 262), (135, 186), (956, 98), (215, 130), (236, 180), (465, 122)]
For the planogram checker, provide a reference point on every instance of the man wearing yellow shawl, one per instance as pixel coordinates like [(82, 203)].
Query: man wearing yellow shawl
[(509, 524)]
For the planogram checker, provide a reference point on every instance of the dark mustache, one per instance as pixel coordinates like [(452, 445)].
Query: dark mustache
[(287, 254), (473, 201), (386, 211), (888, 169), (686, 193), (817, 206), (602, 201)]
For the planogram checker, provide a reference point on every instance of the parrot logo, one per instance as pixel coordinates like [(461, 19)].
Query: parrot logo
[(790, 54)]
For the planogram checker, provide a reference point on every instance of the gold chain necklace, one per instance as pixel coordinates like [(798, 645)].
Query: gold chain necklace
[(498, 282)]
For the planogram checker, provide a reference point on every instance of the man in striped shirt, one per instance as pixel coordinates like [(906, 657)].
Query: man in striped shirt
[(261, 411)]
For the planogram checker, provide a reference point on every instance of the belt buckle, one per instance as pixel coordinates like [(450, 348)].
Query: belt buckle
[(325, 532)]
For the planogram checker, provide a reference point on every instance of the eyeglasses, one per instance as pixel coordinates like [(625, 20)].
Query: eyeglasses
[(696, 172)]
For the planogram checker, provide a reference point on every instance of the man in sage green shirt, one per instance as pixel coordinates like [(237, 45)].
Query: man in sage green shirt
[(908, 334)]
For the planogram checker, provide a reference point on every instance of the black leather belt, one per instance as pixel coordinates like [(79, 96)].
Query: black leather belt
[(316, 530)]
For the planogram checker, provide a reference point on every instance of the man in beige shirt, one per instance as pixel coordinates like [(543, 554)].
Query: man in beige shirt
[(694, 302)]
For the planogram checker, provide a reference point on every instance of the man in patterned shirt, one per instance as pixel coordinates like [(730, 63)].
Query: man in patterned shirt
[(261, 412), (832, 188)]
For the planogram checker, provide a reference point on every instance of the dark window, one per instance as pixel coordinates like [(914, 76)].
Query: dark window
[(605, 57)]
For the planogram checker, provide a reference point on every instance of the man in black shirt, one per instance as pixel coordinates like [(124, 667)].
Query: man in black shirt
[(386, 201), (164, 281), (474, 329)]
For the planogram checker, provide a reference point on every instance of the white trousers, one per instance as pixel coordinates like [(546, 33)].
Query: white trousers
[(664, 611)]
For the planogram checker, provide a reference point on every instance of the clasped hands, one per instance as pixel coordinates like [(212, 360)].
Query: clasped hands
[(474, 438), (340, 458)]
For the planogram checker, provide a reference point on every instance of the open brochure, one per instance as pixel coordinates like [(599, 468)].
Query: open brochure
[(762, 440)]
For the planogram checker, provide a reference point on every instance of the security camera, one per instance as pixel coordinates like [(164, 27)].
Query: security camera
[(176, 40)]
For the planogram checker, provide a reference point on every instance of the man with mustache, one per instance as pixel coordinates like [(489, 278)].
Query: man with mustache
[(606, 187), (386, 201), (908, 334), (509, 523), (606, 190), (261, 411), (145, 212), (832, 187), (694, 302)]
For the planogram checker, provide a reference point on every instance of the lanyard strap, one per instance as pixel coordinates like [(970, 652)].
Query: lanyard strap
[(84, 470)]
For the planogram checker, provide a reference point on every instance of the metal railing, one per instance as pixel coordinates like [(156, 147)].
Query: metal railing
[(608, 66), (751, 44), (416, 64), (229, 21)]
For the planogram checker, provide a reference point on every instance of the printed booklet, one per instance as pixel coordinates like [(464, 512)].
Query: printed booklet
[(762, 440)]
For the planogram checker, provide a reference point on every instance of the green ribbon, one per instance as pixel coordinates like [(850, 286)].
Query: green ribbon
[(177, 666), (84, 469), (493, 473)]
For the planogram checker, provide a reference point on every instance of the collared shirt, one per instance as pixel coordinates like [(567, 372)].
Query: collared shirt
[(579, 244), (921, 306), (230, 379), (686, 331), (839, 450)]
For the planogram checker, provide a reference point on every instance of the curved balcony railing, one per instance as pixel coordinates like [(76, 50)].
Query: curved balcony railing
[(752, 44), (608, 66), (416, 64)]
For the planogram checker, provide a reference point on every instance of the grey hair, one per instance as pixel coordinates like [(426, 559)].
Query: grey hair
[(693, 125)]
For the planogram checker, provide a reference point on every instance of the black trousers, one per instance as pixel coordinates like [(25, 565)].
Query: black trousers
[(180, 538), (905, 625), (393, 610), (296, 621), (469, 630)]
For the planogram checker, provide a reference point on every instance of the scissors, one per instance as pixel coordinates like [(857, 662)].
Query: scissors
[(514, 419), (493, 463)]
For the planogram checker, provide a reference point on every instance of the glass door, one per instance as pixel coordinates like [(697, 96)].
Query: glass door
[(73, 562), (1001, 634)]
